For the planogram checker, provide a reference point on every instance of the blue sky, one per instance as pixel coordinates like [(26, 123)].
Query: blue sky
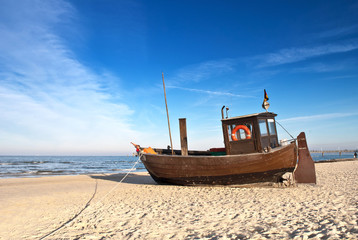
[(84, 77)]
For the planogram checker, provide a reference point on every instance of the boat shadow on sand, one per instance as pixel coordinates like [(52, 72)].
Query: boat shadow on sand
[(132, 178), (146, 179)]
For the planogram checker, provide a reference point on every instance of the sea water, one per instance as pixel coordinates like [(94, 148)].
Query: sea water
[(329, 156), (36, 166)]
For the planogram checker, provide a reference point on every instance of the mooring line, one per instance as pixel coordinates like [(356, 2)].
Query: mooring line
[(75, 216), (130, 170), (88, 204), (286, 131)]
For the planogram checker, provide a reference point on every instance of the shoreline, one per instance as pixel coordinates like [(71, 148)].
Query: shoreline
[(121, 171), (100, 207), (80, 174)]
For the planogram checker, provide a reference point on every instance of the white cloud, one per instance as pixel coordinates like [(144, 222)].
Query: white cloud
[(291, 55), (50, 101), (202, 71), (336, 32), (210, 92), (318, 117)]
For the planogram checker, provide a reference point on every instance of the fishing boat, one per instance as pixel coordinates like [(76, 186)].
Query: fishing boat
[(252, 154)]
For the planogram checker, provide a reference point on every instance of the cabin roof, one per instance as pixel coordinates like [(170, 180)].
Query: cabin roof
[(263, 114)]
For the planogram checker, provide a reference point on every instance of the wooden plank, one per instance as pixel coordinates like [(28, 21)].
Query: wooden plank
[(183, 137)]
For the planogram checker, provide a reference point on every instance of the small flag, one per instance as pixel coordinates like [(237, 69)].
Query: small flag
[(265, 104), (266, 98)]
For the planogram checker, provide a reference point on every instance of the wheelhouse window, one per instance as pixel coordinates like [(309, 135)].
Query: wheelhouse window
[(263, 127), (272, 128), (240, 132)]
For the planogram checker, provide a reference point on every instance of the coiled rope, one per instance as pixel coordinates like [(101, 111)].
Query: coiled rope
[(88, 204)]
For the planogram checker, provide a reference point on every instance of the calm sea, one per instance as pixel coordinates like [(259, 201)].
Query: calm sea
[(35, 166)]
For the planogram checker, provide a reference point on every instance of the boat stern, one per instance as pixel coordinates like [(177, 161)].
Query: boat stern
[(305, 169)]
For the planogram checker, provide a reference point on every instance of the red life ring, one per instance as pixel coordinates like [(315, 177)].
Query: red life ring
[(246, 129)]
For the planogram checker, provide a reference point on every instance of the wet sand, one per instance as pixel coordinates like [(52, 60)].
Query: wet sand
[(100, 207)]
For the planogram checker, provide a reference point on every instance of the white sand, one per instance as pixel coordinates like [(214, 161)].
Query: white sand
[(141, 209)]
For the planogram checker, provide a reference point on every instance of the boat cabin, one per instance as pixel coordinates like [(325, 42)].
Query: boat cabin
[(250, 133)]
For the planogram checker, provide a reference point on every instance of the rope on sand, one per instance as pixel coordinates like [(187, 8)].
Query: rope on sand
[(88, 204), (130, 170), (74, 217)]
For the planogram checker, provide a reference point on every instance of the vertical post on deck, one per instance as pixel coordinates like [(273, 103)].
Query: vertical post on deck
[(183, 137), (166, 106)]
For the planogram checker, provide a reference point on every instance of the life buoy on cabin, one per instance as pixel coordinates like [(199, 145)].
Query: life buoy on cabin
[(243, 127)]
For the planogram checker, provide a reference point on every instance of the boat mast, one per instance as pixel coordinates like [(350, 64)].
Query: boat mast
[(166, 105)]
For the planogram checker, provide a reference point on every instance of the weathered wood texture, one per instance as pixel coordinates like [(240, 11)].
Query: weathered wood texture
[(183, 137), (222, 170), (305, 170)]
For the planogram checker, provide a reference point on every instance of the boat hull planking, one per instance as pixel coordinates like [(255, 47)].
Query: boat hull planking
[(222, 170)]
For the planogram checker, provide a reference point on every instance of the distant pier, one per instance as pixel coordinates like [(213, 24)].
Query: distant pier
[(334, 151)]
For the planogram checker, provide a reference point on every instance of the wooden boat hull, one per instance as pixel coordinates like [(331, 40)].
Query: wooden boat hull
[(222, 170)]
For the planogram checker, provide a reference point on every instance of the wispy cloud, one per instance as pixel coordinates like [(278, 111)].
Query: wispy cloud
[(217, 93), (322, 67), (342, 77), (336, 32), (202, 71), (319, 117), (291, 55), (49, 100)]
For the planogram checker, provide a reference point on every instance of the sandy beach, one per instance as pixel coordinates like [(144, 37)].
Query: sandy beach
[(100, 207)]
